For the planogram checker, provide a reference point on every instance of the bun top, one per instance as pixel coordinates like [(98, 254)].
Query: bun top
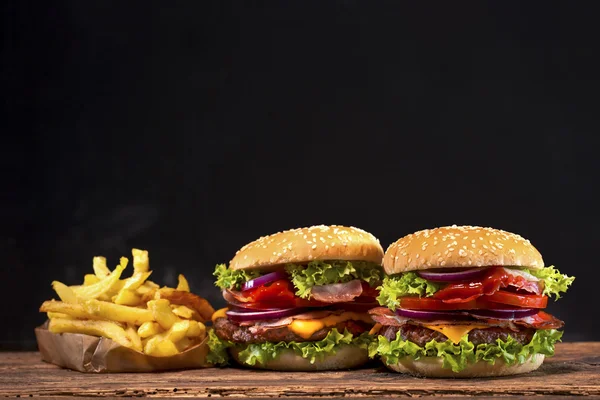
[(302, 245), (459, 247)]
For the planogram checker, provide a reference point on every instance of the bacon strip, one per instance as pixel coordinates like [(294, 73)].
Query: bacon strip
[(337, 292)]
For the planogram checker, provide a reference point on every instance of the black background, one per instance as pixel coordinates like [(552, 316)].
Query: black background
[(192, 128)]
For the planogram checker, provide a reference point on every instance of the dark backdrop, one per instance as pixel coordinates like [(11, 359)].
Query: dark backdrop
[(190, 129)]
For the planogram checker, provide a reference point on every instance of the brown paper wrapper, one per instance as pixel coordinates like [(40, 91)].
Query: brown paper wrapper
[(87, 353)]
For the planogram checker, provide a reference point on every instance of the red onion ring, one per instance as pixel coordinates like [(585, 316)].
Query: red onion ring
[(504, 313), (453, 276), (263, 280), (432, 315), (252, 315)]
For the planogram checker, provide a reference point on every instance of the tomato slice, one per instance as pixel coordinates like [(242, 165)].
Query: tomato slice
[(519, 300), (496, 279), (369, 291), (278, 294)]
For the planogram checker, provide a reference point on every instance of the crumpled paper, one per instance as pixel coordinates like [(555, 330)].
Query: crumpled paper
[(87, 353)]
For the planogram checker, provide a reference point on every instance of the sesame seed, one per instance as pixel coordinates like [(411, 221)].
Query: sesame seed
[(314, 246)]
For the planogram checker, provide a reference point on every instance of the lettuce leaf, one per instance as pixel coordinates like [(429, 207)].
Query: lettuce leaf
[(217, 349), (554, 281), (232, 279), (313, 351), (406, 284), (457, 356), (325, 272)]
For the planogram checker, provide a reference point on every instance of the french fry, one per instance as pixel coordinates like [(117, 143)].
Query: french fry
[(90, 279), (133, 336), (183, 311), (162, 313), (183, 284), (148, 329), (103, 286), (190, 300), (106, 329), (73, 310), (160, 347), (64, 292), (196, 329), (184, 344), (136, 280), (117, 312), (100, 269), (141, 263), (127, 298), (178, 331), (52, 315)]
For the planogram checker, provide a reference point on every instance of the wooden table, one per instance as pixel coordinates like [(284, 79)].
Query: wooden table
[(575, 370)]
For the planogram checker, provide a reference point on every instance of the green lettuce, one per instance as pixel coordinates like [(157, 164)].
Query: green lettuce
[(457, 356), (232, 279), (317, 273), (217, 349), (313, 351), (554, 281), (407, 284)]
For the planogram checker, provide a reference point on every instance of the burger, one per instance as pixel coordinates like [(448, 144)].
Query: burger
[(297, 300), (465, 301)]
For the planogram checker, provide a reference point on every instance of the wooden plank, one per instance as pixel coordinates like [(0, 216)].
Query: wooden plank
[(575, 370)]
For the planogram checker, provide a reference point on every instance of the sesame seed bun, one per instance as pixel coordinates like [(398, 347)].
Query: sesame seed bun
[(431, 367), (460, 246), (302, 245), (346, 357)]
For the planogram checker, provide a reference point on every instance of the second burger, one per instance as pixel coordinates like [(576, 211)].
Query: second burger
[(297, 300)]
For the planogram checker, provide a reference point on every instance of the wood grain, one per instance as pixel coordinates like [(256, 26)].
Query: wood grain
[(575, 370)]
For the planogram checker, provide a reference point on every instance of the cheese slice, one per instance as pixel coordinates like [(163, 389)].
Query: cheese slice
[(219, 314), (305, 328), (376, 328), (454, 332)]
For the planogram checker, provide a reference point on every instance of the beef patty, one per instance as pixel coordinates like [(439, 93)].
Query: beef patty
[(228, 330), (421, 335)]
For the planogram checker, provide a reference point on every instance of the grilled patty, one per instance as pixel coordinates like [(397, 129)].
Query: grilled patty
[(421, 335), (228, 330)]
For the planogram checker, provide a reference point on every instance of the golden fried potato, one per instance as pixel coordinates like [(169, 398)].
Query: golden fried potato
[(106, 329), (73, 310), (160, 347), (117, 312), (141, 262), (127, 298), (183, 284), (148, 329), (64, 292), (162, 313), (103, 286), (132, 334), (190, 300), (100, 269)]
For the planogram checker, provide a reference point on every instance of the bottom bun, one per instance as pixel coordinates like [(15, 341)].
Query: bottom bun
[(346, 357), (431, 367)]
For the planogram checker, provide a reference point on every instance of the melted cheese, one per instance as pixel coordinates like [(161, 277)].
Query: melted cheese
[(219, 314), (305, 328), (454, 332), (376, 328)]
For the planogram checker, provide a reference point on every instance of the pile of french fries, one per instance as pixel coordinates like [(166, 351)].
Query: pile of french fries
[(133, 312)]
